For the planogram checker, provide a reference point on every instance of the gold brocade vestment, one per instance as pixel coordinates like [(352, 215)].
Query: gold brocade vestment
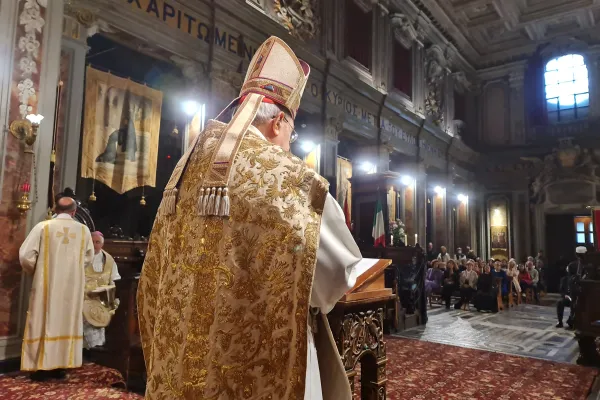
[(223, 302)]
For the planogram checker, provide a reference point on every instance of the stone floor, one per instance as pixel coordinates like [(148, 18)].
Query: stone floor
[(526, 330)]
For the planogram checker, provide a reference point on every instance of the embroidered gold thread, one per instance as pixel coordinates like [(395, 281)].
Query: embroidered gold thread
[(46, 262), (52, 339)]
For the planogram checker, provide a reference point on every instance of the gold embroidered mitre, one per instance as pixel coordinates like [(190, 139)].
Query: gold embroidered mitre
[(275, 75)]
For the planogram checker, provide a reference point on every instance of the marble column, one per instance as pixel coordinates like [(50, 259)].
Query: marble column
[(482, 212), (539, 227), (421, 206), (329, 150), (418, 81), (76, 49), (517, 230), (30, 36), (593, 62), (381, 54), (517, 105)]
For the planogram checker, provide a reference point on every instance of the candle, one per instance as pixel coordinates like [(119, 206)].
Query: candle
[(405, 239), (26, 187), (416, 239)]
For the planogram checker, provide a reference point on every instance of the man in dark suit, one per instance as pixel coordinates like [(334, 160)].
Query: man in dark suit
[(569, 287)]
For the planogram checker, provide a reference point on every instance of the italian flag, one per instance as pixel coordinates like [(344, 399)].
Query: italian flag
[(378, 228)]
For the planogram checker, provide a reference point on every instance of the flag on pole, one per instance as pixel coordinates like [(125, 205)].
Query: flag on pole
[(378, 228), (347, 212)]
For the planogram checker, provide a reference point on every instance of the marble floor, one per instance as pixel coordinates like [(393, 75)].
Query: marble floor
[(526, 330)]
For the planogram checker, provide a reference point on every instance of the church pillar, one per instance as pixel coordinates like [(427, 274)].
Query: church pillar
[(539, 218), (439, 219), (421, 206), (593, 62), (517, 105), (382, 40), (418, 81), (517, 228), (73, 53), (30, 40), (329, 153), (483, 250)]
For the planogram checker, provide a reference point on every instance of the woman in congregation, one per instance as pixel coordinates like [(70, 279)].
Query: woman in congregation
[(524, 278), (450, 282), (513, 273), (499, 274), (433, 280), (486, 297), (468, 283)]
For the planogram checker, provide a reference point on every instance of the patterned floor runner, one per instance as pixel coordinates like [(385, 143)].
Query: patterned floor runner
[(419, 370), (90, 382)]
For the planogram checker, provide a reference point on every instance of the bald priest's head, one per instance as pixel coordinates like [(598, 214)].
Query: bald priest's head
[(66, 205)]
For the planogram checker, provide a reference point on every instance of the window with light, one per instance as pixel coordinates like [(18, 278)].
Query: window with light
[(567, 88)]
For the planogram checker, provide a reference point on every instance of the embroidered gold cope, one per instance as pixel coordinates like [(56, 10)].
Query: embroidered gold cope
[(95, 279), (223, 302), (56, 253)]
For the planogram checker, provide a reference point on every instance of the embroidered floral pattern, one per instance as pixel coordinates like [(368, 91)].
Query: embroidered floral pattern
[(32, 22), (242, 284)]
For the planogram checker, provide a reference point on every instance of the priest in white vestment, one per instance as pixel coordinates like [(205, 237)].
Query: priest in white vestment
[(55, 252), (103, 271)]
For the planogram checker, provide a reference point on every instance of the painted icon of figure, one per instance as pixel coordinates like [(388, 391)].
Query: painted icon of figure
[(124, 137), (120, 109)]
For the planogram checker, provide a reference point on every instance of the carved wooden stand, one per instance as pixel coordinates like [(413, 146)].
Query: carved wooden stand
[(358, 330)]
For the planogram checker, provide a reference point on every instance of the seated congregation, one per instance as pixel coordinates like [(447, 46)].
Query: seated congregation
[(485, 285)]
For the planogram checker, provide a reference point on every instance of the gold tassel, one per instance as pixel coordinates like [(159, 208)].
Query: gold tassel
[(217, 205), (169, 203), (224, 209), (201, 202), (205, 201), (210, 207)]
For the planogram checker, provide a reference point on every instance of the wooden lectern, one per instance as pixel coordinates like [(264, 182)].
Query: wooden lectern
[(357, 326)]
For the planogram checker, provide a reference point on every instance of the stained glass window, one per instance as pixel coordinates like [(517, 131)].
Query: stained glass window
[(567, 88)]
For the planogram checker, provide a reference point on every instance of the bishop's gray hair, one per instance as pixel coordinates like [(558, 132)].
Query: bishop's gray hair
[(265, 113)]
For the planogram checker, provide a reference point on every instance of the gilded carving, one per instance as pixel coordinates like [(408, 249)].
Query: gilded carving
[(362, 333), (298, 17), (567, 162), (436, 73)]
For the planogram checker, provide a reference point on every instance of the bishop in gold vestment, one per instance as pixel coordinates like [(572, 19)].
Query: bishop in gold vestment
[(246, 240), (55, 252)]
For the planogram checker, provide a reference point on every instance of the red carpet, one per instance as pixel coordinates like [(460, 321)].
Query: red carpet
[(424, 370), (90, 382)]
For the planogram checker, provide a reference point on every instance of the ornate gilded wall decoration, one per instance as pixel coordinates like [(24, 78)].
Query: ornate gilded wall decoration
[(29, 45), (567, 163), (298, 17), (436, 72)]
